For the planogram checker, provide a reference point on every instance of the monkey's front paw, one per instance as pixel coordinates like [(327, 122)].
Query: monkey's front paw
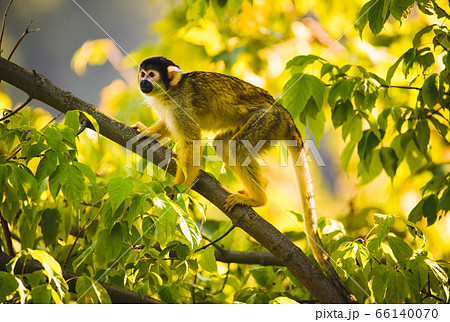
[(145, 132), (233, 200)]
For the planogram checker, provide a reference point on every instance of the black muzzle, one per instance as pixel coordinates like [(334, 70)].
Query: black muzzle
[(145, 86)]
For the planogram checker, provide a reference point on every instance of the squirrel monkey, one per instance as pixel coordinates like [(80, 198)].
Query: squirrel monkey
[(189, 103)]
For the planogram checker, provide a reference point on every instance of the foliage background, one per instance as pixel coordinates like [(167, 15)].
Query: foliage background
[(253, 42)]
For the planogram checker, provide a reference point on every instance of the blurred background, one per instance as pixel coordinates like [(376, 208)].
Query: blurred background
[(64, 27)]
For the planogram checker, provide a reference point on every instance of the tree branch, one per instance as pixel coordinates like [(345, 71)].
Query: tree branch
[(256, 257), (2, 32), (117, 294), (243, 217), (7, 235)]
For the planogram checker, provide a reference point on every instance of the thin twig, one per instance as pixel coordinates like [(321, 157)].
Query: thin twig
[(215, 241), (80, 232), (7, 234), (53, 119), (26, 32), (3, 24), (17, 109), (83, 126), (401, 87)]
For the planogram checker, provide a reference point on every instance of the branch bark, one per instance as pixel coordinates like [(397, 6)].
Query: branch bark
[(117, 294), (291, 256)]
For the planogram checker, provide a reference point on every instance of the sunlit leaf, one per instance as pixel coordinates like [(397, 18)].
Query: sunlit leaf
[(119, 189), (207, 260), (50, 226), (91, 292)]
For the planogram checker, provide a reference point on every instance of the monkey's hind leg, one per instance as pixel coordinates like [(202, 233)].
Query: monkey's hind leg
[(255, 184), (248, 172)]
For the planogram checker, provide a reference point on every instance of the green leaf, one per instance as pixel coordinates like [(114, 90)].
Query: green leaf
[(119, 189), (317, 126), (299, 90), (135, 209), (189, 230), (344, 89), (438, 272), (283, 300), (378, 14), (347, 154), (390, 161), (35, 149), (54, 181), (413, 156), (430, 90), (53, 136), (372, 123), (299, 63), (363, 255), (48, 262), (392, 69), (262, 275), (86, 171), (366, 147), (363, 17), (72, 120), (400, 9), (397, 287), (25, 183), (10, 205), (418, 36), (353, 126), (416, 213), (50, 226), (41, 294), (92, 121), (383, 224), (399, 247), (429, 209), (419, 268), (9, 286), (234, 6), (91, 292), (84, 255), (72, 184), (441, 128), (5, 172), (370, 168), (47, 165), (196, 10), (379, 283), (182, 251), (444, 202), (109, 246), (168, 293), (207, 260)]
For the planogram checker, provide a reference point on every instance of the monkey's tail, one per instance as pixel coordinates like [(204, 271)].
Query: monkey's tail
[(305, 184)]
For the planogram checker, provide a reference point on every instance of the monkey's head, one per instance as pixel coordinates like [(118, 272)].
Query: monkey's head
[(157, 74)]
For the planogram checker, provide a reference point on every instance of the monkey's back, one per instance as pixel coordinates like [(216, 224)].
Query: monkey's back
[(222, 101)]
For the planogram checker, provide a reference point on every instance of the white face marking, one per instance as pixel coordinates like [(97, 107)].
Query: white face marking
[(149, 75)]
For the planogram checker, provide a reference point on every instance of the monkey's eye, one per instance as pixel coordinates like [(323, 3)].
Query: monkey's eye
[(151, 74), (142, 75)]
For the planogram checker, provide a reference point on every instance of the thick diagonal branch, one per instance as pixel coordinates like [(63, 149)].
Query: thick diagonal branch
[(40, 88)]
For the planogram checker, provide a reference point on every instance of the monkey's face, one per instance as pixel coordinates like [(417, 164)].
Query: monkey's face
[(148, 80), (158, 75)]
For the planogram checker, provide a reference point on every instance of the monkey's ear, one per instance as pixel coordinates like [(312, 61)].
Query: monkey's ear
[(174, 74)]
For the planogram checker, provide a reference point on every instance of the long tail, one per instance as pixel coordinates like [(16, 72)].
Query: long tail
[(305, 184)]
